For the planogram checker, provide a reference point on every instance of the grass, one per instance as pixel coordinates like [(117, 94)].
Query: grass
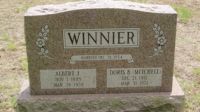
[(8, 88), (196, 71), (13, 101), (24, 64), (5, 37), (12, 17), (11, 46), (10, 43), (184, 13), (9, 103), (22, 8), (192, 96), (197, 56), (192, 102)]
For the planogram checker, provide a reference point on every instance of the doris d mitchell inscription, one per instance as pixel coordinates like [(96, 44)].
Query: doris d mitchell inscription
[(133, 77), (96, 47)]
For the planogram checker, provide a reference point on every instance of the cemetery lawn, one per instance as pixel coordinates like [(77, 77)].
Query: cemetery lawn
[(13, 61)]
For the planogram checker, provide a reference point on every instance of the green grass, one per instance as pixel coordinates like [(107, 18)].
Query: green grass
[(22, 8), (197, 57), (192, 102), (11, 46), (9, 86), (196, 71), (5, 37), (13, 101), (184, 13), (9, 103), (192, 96), (24, 64)]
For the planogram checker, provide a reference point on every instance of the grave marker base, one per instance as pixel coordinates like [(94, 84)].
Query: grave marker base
[(128, 102)]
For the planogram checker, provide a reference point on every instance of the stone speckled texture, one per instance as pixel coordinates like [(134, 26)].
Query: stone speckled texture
[(130, 102), (98, 4), (153, 20)]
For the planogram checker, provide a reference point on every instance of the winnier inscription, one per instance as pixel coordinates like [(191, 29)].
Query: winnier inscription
[(134, 77), (100, 38)]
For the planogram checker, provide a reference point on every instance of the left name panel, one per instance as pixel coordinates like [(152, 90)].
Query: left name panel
[(68, 78)]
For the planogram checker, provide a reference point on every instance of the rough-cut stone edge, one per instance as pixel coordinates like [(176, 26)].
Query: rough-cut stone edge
[(98, 4), (129, 102)]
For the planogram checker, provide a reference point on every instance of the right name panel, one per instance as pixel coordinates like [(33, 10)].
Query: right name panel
[(134, 77)]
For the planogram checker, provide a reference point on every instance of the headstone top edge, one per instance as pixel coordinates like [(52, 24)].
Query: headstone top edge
[(98, 4)]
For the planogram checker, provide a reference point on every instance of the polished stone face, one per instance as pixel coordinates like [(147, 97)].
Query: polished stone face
[(100, 47)]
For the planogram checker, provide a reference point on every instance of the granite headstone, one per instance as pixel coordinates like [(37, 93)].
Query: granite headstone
[(96, 47)]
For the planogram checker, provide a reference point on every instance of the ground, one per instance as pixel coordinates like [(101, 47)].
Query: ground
[(13, 61)]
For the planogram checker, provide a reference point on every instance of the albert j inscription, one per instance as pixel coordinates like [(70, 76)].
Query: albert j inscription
[(74, 78)]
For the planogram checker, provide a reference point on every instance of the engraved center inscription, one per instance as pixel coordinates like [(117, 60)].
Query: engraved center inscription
[(100, 38)]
